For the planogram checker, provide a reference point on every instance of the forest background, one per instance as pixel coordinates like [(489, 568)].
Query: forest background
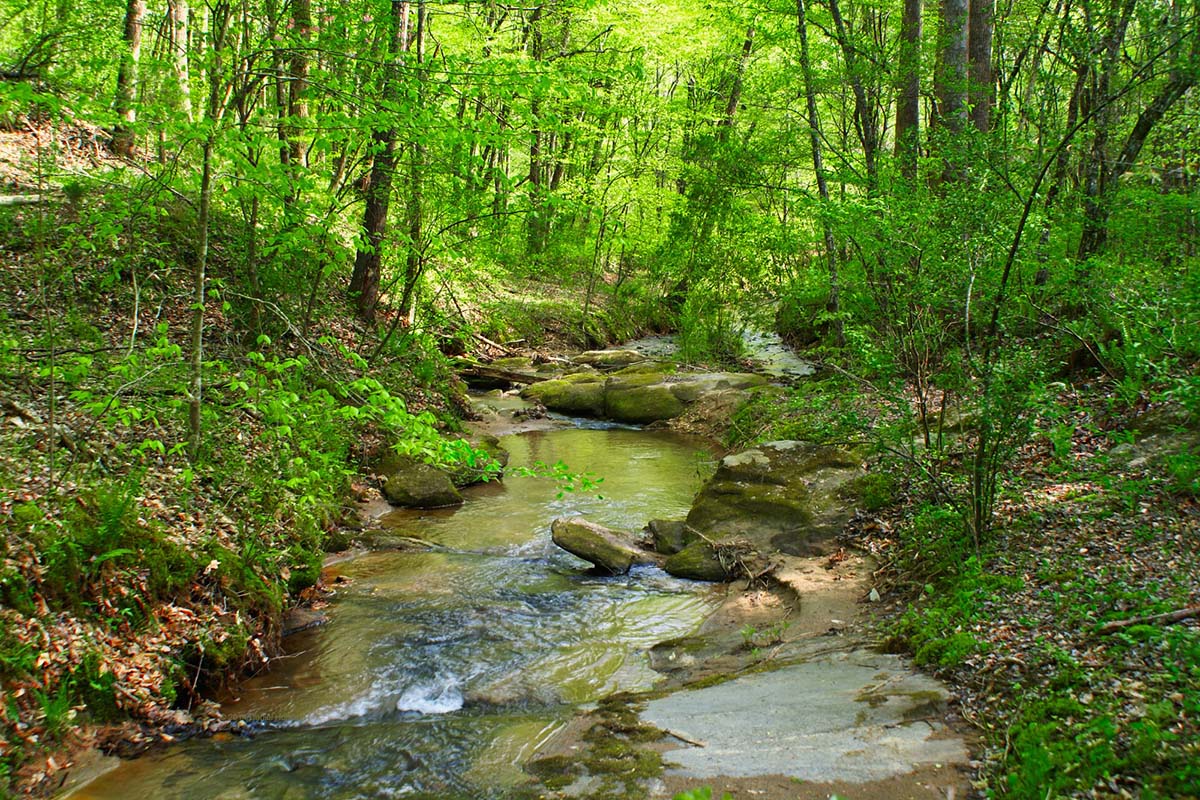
[(243, 242)]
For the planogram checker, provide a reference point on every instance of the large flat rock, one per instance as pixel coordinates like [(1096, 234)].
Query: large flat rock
[(851, 717)]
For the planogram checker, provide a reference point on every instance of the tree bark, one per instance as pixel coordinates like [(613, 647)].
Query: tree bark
[(952, 69), (414, 263), (538, 227), (199, 274), (127, 75), (982, 90), (1096, 209), (814, 132), (177, 20), (863, 117), (298, 85), (368, 260), (908, 104)]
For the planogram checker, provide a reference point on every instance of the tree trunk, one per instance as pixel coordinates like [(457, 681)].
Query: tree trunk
[(735, 92), (204, 213), (1096, 209), (814, 133), (538, 227), (298, 85), (952, 69), (127, 75), (368, 261), (177, 20), (863, 116), (414, 263), (908, 104), (982, 91)]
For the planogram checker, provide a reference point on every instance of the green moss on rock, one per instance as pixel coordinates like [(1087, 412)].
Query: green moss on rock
[(642, 404), (697, 562)]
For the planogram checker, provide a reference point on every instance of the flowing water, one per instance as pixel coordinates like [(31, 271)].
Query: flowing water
[(765, 352), (439, 672)]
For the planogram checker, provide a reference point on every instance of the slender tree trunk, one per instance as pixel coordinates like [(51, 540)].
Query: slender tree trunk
[(1097, 104), (814, 134), (204, 213), (127, 75), (908, 104), (177, 20), (864, 118), (298, 85), (982, 90), (368, 261), (1096, 210), (538, 227), (735, 92), (414, 265)]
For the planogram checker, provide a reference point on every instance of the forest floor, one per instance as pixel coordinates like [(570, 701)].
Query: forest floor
[(1097, 521)]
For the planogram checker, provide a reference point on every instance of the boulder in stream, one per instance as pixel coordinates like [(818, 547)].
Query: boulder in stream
[(642, 394), (581, 393), (609, 550), (779, 496), (415, 484), (609, 359)]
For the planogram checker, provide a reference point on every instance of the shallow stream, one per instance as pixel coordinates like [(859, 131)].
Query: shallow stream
[(439, 672)]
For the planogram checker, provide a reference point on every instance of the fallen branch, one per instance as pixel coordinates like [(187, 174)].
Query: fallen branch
[(22, 199), (1168, 618), (466, 367), (502, 348), (685, 739)]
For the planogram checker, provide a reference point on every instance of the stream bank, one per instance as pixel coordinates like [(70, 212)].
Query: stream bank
[(455, 654)]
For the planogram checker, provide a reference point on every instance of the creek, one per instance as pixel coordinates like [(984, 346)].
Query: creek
[(440, 671)]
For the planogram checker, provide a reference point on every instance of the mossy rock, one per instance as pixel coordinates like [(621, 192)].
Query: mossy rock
[(418, 485), (649, 366), (669, 536), (697, 562), (605, 548), (642, 404), (872, 492), (582, 393), (689, 389), (609, 359), (780, 495)]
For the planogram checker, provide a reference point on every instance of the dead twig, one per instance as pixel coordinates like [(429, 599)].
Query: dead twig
[(1167, 618)]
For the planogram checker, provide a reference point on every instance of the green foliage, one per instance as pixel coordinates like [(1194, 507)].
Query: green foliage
[(95, 688), (938, 629), (703, 793)]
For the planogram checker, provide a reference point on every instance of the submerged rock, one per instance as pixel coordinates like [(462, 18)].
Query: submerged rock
[(778, 496), (415, 484), (607, 549)]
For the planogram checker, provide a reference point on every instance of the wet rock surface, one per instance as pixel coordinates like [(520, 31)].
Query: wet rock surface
[(608, 550), (415, 484), (638, 395), (778, 496), (856, 717)]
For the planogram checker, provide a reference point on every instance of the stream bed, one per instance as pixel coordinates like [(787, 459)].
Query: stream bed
[(440, 671)]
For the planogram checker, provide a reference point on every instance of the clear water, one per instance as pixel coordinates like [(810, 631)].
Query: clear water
[(439, 672)]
